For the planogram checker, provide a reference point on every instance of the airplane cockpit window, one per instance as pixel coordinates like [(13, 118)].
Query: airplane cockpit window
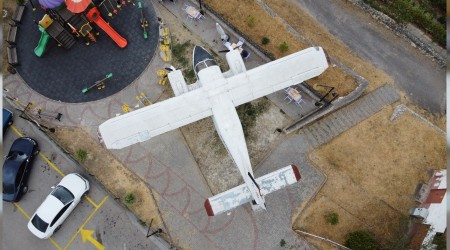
[(204, 64)]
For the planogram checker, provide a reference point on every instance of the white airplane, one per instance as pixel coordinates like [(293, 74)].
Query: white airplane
[(217, 94)]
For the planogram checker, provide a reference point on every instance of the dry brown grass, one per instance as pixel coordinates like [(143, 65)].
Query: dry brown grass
[(119, 181), (268, 26), (373, 170), (317, 34)]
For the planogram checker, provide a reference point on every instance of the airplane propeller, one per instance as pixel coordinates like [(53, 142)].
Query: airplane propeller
[(227, 50), (171, 68)]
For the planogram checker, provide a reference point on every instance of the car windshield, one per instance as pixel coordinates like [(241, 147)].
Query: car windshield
[(17, 156), (39, 223), (8, 187), (64, 195)]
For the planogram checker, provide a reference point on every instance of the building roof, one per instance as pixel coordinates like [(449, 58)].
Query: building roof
[(439, 179), (419, 232), (437, 217)]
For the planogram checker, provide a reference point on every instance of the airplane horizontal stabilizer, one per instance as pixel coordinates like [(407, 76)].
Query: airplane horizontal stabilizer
[(241, 194)]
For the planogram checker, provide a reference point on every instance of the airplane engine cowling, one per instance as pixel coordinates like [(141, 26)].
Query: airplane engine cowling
[(235, 62), (177, 82)]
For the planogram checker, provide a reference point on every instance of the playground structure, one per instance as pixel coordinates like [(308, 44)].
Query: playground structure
[(144, 22), (64, 26), (142, 98), (165, 42), (40, 48), (100, 84), (94, 16), (162, 76), (55, 30), (79, 25)]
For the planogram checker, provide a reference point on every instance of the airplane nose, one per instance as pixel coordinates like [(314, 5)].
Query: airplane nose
[(200, 54)]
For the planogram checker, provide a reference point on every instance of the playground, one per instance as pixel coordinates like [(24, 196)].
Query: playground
[(64, 55)]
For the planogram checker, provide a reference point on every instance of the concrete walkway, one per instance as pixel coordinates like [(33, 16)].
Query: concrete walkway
[(168, 167)]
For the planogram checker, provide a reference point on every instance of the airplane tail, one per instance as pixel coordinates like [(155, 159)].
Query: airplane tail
[(241, 194)]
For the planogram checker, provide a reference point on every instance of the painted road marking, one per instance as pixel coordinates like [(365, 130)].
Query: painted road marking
[(85, 222), (96, 206), (86, 235), (91, 201), (28, 217), (52, 165), (16, 131)]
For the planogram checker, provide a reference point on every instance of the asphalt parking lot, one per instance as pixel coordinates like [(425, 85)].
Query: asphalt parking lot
[(98, 217)]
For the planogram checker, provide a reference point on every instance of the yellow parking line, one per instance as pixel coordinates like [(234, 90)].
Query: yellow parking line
[(85, 222), (54, 243), (22, 211), (40, 153), (91, 201), (59, 172), (51, 164), (16, 131), (28, 217), (97, 206)]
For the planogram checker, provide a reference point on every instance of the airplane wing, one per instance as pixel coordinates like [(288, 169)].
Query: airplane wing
[(277, 75), (145, 123), (240, 195)]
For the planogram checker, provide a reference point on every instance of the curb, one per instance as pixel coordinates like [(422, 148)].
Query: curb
[(405, 32)]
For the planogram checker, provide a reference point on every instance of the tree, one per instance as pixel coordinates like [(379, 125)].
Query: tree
[(360, 240)]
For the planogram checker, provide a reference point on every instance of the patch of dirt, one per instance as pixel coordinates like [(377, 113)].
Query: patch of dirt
[(373, 170), (116, 178), (214, 162)]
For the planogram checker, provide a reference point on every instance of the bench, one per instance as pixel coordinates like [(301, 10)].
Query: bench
[(11, 38), (13, 60), (18, 13)]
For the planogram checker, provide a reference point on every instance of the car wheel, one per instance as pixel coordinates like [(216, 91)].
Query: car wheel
[(24, 189), (57, 228)]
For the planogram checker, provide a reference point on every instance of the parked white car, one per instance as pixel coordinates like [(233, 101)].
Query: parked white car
[(58, 205)]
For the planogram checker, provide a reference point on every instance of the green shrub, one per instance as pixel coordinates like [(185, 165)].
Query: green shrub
[(248, 113), (189, 74), (81, 155), (283, 47), (130, 198), (332, 218), (440, 241), (265, 40), (282, 242), (179, 52), (360, 240), (251, 21), (424, 14)]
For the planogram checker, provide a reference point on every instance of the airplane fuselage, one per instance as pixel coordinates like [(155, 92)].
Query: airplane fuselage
[(227, 124), (217, 94)]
